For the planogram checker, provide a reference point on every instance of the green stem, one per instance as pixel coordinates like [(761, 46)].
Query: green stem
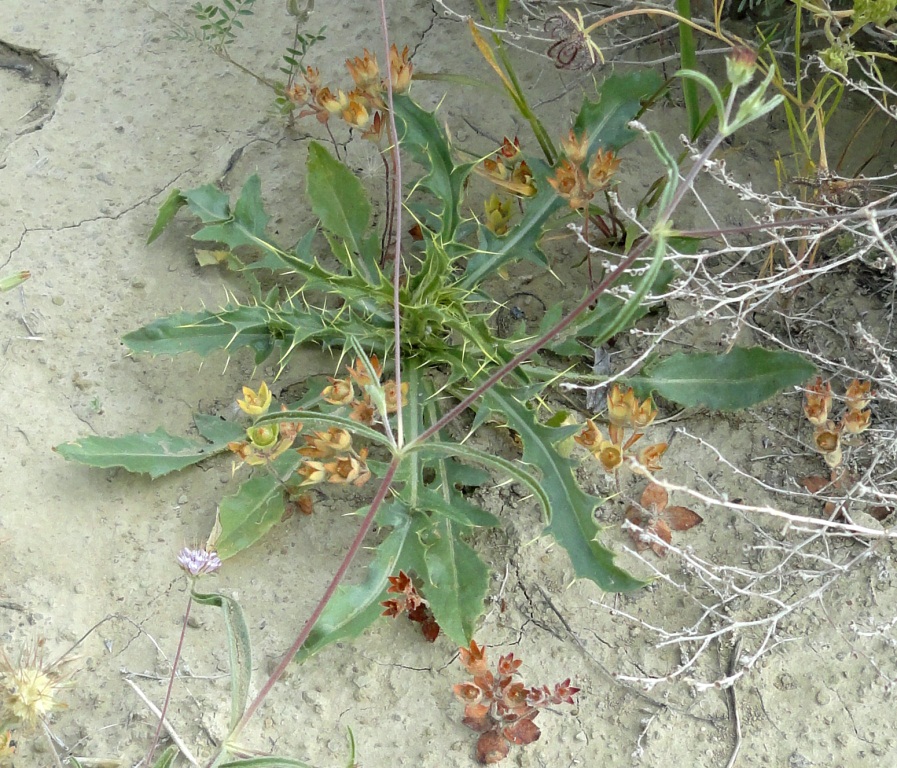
[(689, 61)]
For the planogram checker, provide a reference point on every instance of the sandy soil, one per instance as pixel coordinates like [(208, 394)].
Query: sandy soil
[(91, 142)]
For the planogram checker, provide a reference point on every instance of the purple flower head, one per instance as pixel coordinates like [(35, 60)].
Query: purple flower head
[(197, 562)]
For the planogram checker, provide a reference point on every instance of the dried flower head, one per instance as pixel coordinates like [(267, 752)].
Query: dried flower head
[(365, 72), (400, 68), (30, 687), (338, 392), (858, 395), (198, 562), (818, 402)]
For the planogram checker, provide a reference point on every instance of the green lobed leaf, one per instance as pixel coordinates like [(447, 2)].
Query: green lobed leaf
[(606, 121), (248, 515), (352, 609), (239, 649), (173, 203), (457, 581), (572, 510), (727, 382), (337, 197), (153, 453), (245, 226)]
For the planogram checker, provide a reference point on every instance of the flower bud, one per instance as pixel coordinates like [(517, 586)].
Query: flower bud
[(741, 65)]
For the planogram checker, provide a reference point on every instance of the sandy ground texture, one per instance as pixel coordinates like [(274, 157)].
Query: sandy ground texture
[(102, 113)]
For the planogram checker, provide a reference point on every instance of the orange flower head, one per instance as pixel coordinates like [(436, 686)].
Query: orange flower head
[(857, 422), (643, 413), (338, 392), (604, 165), (374, 131), (818, 402), (314, 472), (401, 69), (391, 395), (858, 394), (356, 114), (333, 103), (827, 438), (649, 457), (359, 373), (590, 438), (610, 456), (365, 72), (575, 148)]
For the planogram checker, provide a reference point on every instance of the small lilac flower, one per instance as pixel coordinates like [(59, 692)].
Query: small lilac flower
[(197, 562)]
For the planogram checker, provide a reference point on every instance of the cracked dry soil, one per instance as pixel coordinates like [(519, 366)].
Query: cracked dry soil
[(101, 114)]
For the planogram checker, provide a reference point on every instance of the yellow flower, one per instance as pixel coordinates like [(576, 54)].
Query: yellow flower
[(620, 405), (356, 114), (255, 403), (498, 214), (314, 472), (29, 688), (333, 103)]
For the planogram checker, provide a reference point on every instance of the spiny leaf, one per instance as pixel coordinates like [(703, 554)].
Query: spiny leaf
[(246, 226), (728, 382), (620, 97), (426, 141)]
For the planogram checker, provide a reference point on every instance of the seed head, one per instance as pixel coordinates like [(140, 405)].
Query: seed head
[(29, 688)]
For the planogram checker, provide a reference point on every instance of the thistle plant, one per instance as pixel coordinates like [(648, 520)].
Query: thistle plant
[(424, 309)]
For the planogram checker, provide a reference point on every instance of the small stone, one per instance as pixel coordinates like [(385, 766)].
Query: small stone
[(823, 697), (58, 300)]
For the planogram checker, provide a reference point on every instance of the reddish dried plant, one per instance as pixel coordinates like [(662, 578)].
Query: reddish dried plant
[(500, 708), (653, 515), (409, 601)]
